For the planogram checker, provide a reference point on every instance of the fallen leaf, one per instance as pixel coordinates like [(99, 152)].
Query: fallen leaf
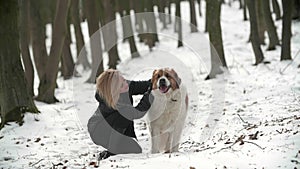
[(37, 140)]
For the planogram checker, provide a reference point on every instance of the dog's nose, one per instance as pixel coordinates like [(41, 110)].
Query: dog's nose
[(162, 81)]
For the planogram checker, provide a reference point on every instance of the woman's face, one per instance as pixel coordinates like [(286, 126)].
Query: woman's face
[(124, 86)]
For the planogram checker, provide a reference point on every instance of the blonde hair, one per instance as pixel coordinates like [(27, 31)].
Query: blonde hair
[(108, 84)]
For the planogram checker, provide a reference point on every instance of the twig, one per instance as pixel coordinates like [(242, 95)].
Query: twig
[(282, 71), (244, 120), (37, 162), (254, 144)]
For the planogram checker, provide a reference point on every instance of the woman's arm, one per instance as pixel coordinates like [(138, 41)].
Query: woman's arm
[(126, 109), (139, 87)]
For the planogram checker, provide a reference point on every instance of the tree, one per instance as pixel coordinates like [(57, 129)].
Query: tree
[(261, 24), (127, 27), (95, 40), (245, 11), (213, 8), (38, 37), (276, 9), (110, 33), (24, 45), (199, 4), (15, 99), (286, 30), (193, 16), (259, 57), (178, 23), (271, 29), (67, 62), (75, 19), (48, 80)]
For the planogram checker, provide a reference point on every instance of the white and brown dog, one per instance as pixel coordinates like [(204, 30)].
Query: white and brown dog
[(168, 111)]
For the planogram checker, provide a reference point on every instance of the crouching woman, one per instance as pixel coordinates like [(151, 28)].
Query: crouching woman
[(111, 126)]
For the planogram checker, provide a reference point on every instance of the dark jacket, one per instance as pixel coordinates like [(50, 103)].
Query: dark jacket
[(107, 120)]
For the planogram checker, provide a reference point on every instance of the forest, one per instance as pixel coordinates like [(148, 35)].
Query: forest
[(239, 58)]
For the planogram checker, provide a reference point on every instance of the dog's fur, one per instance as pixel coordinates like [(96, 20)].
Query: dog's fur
[(168, 111)]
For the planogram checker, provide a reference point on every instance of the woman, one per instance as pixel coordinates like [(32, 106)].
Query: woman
[(112, 126)]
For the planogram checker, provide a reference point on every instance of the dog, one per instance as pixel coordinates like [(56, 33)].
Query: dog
[(168, 111)]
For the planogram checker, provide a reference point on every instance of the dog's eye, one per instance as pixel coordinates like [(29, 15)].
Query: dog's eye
[(167, 75), (158, 76)]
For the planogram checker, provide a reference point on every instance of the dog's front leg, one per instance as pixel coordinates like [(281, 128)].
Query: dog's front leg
[(155, 140)]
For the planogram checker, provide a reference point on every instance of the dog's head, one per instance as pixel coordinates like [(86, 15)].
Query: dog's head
[(165, 79)]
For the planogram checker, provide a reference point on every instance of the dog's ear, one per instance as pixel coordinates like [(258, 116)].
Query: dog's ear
[(176, 78), (154, 79)]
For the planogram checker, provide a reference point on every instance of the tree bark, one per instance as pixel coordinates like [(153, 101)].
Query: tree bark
[(162, 16), (215, 36), (178, 22), (259, 57), (245, 11), (271, 29), (127, 28), (48, 81), (276, 9), (38, 36), (15, 99), (286, 30), (260, 21), (193, 16), (75, 16), (199, 7), (24, 44), (95, 40), (67, 59), (110, 33)]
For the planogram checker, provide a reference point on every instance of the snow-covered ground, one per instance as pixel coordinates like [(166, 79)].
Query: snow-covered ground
[(257, 124)]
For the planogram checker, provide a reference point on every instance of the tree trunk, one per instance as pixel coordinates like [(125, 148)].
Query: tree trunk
[(38, 36), (276, 9), (178, 22), (215, 36), (296, 10), (95, 40), (67, 59), (286, 30), (199, 5), (151, 21), (48, 81), (75, 16), (15, 99), (271, 29), (259, 57), (127, 24), (193, 16), (161, 10), (24, 44), (169, 12), (260, 21), (245, 11), (206, 18), (110, 33)]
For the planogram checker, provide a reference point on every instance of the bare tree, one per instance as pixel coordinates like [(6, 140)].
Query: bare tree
[(75, 16), (15, 99), (95, 40), (48, 80), (259, 57), (193, 16), (199, 5), (271, 29), (213, 8), (38, 37), (110, 33), (24, 45), (286, 30), (178, 23), (276, 9), (261, 24)]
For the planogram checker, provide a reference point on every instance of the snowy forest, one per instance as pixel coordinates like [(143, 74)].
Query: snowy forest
[(239, 60)]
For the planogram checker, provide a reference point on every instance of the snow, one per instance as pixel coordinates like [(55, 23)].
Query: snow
[(246, 100)]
